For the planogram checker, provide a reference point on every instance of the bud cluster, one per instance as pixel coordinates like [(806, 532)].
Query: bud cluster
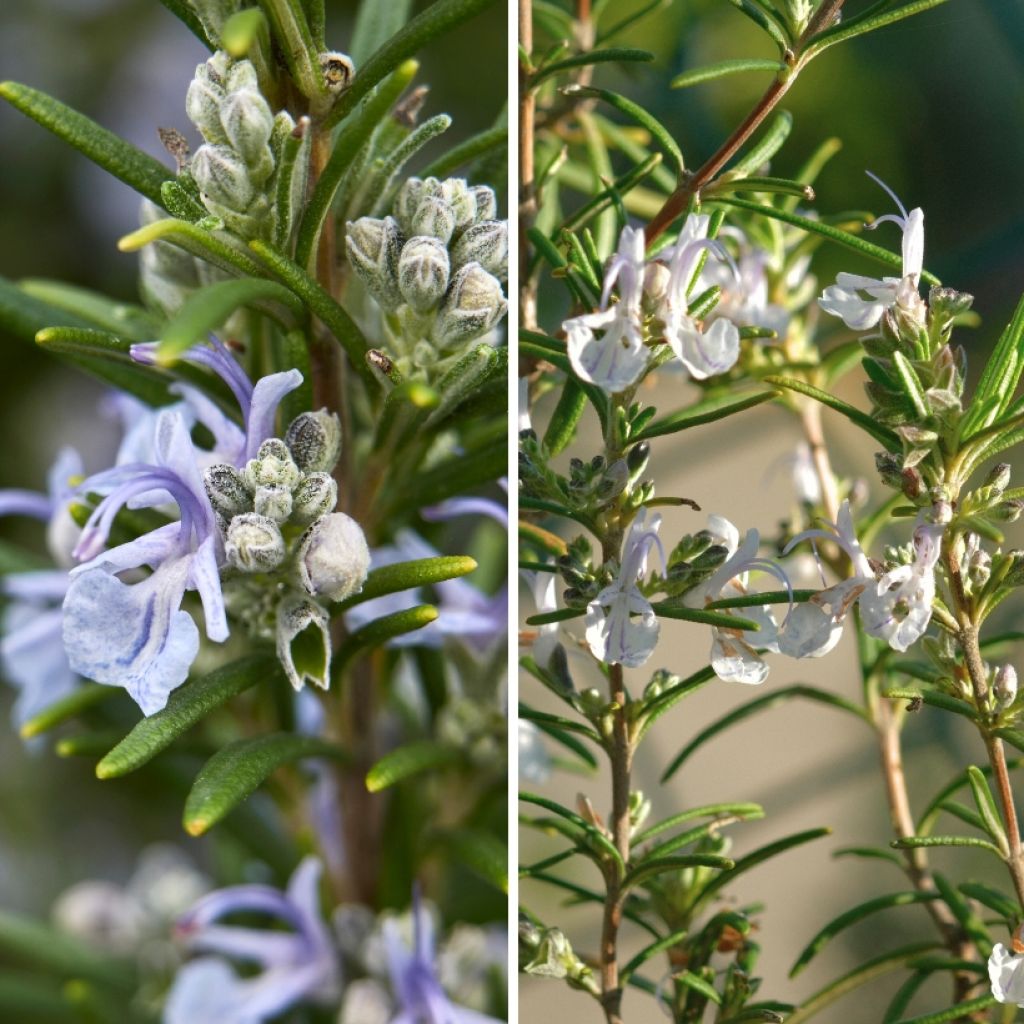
[(234, 168), (282, 537), (436, 266)]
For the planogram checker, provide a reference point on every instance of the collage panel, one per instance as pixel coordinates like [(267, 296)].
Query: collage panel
[(769, 425), (254, 604)]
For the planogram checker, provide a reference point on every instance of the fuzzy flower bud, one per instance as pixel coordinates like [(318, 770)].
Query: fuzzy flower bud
[(999, 477), (314, 497), (373, 248), (433, 217), (1008, 511), (333, 558), (273, 501), (423, 273), (462, 201), (222, 176), (1004, 686), (314, 440), (473, 305), (273, 465), (202, 104), (254, 543), (227, 490), (338, 70), (407, 202), (486, 202), (304, 642), (485, 243), (248, 122)]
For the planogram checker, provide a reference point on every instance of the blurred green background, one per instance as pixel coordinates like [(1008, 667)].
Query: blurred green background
[(127, 64)]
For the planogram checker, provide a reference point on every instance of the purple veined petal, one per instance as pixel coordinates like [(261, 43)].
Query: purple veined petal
[(150, 549), (272, 992), (32, 658), (17, 502), (133, 636), (253, 945), (228, 436), (204, 576), (454, 507), (858, 314), (207, 991), (626, 266), (304, 893), (176, 452), (263, 899), (266, 397), (614, 361), (913, 244), (735, 661)]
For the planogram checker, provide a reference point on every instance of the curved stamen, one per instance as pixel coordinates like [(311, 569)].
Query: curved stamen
[(892, 195)]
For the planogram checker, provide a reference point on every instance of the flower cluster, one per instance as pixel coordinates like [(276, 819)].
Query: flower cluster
[(615, 346), (435, 267)]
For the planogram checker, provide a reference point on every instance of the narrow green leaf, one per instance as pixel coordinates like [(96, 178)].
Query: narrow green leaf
[(936, 698), (744, 711), (856, 26), (673, 611), (421, 572), (597, 838), (698, 984), (456, 475), (655, 707), (869, 853), (645, 954), (121, 159), (321, 304), (954, 1013), (391, 165), (220, 249), (290, 30), (440, 17), (239, 769), (853, 916), (1002, 904), (706, 411), (661, 135), (185, 707), (242, 30), (485, 143), (562, 425), (479, 851), (756, 183), (649, 869), (350, 143), (918, 842), (861, 975), (207, 309), (767, 145), (119, 318), (409, 760), (582, 60), (618, 190), (995, 389), (380, 631), (709, 72), (291, 179), (912, 386), (769, 24), (987, 808), (80, 699), (375, 24), (24, 315), (766, 597), (709, 810), (883, 435), (94, 743)]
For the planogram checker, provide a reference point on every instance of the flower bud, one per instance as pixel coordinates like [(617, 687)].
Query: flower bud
[(314, 497), (333, 558), (254, 543), (202, 103), (947, 303), (890, 469), (462, 201), (227, 490), (241, 75), (273, 465), (314, 440), (407, 202), (222, 176), (485, 243), (913, 482), (423, 273), (1004, 686), (486, 202), (1008, 511), (433, 217), (273, 501), (373, 248), (656, 278), (248, 122), (338, 71), (304, 642), (473, 305), (998, 477)]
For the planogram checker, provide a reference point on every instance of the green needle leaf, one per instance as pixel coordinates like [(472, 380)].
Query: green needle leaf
[(239, 769), (710, 72), (409, 760), (479, 851), (659, 865), (421, 572), (485, 143), (121, 159), (219, 249), (858, 26), (185, 707), (582, 60), (207, 309), (80, 699), (25, 315), (380, 631), (919, 842), (122, 319), (959, 1012), (704, 412), (375, 24)]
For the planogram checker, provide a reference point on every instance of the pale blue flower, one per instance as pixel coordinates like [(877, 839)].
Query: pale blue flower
[(413, 974), (136, 635), (295, 966)]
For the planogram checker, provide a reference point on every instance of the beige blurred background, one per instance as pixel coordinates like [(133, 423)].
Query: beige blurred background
[(807, 764)]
